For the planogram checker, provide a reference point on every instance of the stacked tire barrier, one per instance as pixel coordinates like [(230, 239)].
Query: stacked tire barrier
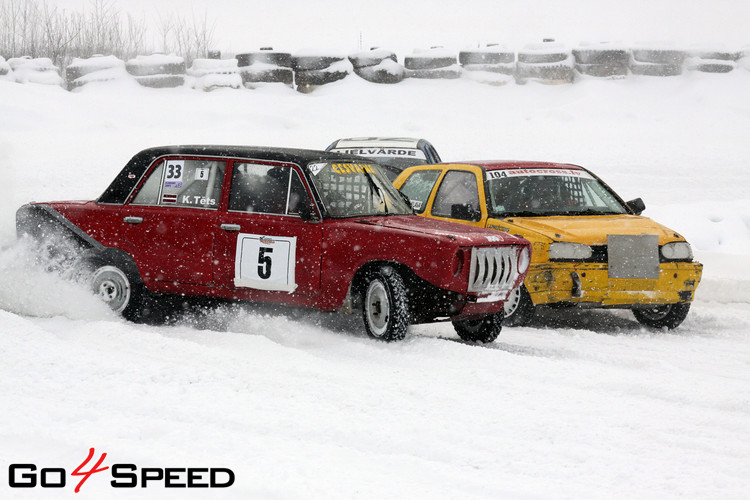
[(712, 60), (158, 70), (212, 74), (97, 68), (34, 70), (312, 70), (434, 63), (377, 66), (493, 65), (656, 61), (602, 60), (547, 62), (265, 66)]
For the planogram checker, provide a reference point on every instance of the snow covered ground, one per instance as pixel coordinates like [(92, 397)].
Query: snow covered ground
[(305, 405)]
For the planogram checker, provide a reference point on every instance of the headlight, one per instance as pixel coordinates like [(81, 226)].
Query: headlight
[(678, 250), (524, 256), (569, 251)]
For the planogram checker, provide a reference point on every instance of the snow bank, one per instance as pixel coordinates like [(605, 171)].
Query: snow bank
[(306, 406)]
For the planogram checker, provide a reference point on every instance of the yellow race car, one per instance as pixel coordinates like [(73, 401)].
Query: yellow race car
[(590, 248)]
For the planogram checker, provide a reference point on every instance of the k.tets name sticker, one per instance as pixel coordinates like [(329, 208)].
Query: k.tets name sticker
[(175, 171), (265, 262)]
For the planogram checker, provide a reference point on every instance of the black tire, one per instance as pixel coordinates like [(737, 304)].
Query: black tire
[(717, 55), (717, 66), (277, 75), (542, 57), (380, 75), (483, 330), (648, 69), (161, 81), (385, 305), (372, 58), (660, 316), (613, 57), (82, 67), (467, 57), (118, 290), (316, 78), (450, 73), (313, 63), (659, 56), (283, 59), (603, 70), (553, 73), (519, 309), (427, 63), (505, 69), (145, 67)]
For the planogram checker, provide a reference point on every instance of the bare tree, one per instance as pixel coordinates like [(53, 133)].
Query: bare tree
[(36, 29)]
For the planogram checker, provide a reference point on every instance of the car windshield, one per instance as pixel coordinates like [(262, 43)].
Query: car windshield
[(356, 189), (547, 192)]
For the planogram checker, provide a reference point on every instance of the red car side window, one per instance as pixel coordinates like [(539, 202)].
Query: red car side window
[(183, 183)]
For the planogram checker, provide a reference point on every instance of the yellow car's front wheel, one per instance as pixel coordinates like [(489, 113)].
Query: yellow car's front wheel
[(663, 315), (518, 309)]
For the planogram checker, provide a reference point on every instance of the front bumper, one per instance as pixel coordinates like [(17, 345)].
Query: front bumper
[(589, 284)]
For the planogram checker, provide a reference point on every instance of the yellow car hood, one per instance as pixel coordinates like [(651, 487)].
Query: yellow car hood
[(590, 230)]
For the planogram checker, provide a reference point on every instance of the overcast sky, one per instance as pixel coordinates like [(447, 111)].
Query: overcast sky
[(403, 25)]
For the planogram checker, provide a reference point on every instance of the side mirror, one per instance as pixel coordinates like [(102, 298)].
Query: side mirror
[(465, 212), (636, 206), (307, 212)]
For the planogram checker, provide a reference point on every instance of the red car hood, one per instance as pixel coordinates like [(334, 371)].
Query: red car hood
[(462, 233)]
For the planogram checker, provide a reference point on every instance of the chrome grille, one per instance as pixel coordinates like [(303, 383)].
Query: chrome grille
[(493, 269)]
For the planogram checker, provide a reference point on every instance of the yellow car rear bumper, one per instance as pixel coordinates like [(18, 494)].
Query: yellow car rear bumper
[(588, 284)]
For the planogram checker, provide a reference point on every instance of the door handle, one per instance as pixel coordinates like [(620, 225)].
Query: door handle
[(132, 220), (230, 227)]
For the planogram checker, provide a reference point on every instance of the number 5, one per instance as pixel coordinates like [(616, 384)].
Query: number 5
[(264, 263)]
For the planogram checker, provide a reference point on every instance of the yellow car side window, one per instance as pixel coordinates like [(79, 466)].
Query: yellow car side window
[(418, 188)]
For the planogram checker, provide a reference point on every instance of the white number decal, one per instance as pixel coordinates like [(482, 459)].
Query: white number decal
[(265, 262), (201, 173), (175, 169)]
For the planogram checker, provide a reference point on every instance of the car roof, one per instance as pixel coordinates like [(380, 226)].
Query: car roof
[(388, 142), (508, 164), (289, 155), (119, 190)]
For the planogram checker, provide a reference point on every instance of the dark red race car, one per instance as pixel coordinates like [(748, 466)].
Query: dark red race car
[(281, 226)]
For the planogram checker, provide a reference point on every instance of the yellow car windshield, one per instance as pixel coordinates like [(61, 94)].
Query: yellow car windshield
[(548, 192)]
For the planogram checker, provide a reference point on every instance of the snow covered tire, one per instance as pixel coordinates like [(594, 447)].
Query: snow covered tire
[(283, 59), (467, 57), (519, 309), (385, 305), (663, 315), (117, 288), (483, 330), (428, 63)]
